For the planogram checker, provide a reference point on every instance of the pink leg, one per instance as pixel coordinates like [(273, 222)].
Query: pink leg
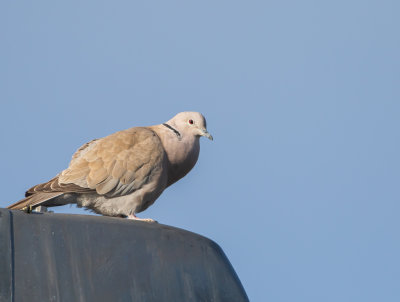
[(134, 217)]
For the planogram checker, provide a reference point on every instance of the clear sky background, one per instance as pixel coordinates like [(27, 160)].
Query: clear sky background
[(300, 186)]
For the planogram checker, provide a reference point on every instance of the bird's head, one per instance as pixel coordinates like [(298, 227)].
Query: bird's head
[(190, 123)]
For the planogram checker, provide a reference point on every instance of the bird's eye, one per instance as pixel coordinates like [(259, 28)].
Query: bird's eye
[(191, 122)]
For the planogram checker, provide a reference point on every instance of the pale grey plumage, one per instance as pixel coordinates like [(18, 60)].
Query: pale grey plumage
[(125, 172)]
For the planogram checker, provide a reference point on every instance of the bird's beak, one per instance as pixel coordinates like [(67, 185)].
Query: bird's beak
[(205, 133)]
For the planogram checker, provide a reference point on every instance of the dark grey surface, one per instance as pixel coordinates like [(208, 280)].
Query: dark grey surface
[(61, 257), (6, 247)]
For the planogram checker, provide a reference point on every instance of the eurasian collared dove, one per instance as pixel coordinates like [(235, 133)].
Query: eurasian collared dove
[(124, 173)]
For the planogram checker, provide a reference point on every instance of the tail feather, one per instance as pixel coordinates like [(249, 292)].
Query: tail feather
[(34, 200)]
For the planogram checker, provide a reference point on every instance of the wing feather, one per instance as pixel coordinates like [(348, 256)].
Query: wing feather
[(117, 164)]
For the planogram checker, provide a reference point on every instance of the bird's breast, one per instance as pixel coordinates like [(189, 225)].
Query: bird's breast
[(182, 158)]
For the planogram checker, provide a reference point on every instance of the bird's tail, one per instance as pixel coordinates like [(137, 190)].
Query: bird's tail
[(34, 200)]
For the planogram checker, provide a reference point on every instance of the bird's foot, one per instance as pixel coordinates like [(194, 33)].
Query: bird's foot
[(134, 217), (27, 209)]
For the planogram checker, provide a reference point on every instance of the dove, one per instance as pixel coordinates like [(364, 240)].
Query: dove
[(124, 173)]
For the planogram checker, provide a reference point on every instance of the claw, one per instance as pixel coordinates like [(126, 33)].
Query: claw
[(134, 217)]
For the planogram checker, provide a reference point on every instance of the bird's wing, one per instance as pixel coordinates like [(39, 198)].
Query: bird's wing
[(115, 165)]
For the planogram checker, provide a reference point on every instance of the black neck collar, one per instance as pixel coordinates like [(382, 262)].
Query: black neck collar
[(174, 130)]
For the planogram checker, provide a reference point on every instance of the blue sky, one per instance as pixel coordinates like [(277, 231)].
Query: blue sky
[(300, 186)]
